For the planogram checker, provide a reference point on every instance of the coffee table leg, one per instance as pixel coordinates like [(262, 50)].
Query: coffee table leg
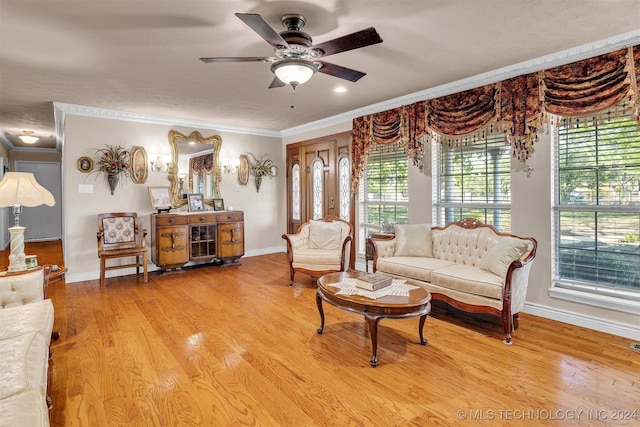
[(373, 331), (319, 303), (423, 340)]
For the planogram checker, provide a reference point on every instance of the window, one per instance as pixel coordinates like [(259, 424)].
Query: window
[(318, 188), (384, 191), (474, 181), (597, 207)]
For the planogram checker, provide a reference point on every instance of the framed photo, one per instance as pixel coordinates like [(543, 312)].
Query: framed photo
[(139, 168), (160, 198), (196, 202), (243, 170), (218, 204), (85, 164)]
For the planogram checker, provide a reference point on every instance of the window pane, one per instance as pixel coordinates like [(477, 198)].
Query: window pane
[(597, 193), (385, 188), (473, 178)]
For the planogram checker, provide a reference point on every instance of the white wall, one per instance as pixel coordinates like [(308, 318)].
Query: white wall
[(264, 212)]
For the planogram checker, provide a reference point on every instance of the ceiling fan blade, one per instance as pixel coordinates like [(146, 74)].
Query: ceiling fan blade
[(356, 40), (340, 71), (238, 59), (277, 83), (260, 26)]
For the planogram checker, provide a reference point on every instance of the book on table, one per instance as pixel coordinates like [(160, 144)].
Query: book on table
[(373, 281)]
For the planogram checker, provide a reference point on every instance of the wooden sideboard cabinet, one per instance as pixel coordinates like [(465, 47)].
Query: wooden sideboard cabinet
[(183, 237)]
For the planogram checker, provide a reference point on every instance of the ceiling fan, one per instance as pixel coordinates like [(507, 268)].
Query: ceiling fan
[(296, 58)]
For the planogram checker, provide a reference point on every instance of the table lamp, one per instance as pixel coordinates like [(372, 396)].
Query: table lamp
[(19, 189)]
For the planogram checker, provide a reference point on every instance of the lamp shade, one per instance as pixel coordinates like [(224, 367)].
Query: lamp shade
[(294, 71), (21, 188)]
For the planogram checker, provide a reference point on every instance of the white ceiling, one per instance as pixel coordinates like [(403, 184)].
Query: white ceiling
[(142, 56)]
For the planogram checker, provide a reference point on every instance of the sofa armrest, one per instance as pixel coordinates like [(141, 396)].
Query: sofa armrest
[(382, 249)]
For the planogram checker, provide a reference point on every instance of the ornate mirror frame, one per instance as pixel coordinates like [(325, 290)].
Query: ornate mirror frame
[(177, 140)]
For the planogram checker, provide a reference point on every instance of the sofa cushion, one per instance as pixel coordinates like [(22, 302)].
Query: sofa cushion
[(324, 235), (469, 279), (413, 240), (419, 268), (502, 254)]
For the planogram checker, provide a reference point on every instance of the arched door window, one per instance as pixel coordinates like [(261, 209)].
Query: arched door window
[(318, 188)]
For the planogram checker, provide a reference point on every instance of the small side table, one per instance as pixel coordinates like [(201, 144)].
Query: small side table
[(58, 274)]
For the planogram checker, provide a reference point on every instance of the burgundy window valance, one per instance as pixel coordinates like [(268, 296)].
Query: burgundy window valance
[(516, 107), (200, 166)]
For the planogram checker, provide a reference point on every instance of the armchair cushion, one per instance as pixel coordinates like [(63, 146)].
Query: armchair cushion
[(325, 235)]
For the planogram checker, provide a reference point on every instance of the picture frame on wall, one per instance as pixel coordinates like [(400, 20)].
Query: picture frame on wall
[(139, 167), (196, 202), (218, 204), (85, 164), (160, 198), (243, 170)]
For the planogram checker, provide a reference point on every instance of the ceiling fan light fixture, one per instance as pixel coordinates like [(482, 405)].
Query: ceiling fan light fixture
[(294, 71)]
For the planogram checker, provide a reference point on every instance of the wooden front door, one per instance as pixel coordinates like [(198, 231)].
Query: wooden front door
[(318, 180)]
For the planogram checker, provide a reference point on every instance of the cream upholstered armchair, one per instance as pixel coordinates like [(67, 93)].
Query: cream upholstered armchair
[(319, 247)]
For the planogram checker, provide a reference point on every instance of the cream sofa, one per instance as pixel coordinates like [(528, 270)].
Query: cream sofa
[(26, 323), (319, 247), (467, 264)]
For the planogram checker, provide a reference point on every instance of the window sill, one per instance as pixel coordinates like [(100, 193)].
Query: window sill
[(609, 298)]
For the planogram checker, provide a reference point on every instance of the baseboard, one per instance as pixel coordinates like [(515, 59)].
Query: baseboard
[(586, 321), (95, 275)]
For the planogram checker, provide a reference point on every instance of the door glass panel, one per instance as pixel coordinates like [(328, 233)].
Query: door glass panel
[(295, 190), (344, 176), (316, 168)]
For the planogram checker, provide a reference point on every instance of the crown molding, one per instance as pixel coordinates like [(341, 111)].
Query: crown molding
[(564, 57), (105, 113)]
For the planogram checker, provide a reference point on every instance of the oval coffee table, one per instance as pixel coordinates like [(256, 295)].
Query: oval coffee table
[(417, 304)]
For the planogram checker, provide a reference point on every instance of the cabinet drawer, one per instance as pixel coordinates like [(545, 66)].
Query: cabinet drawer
[(171, 220), (230, 216), (202, 218)]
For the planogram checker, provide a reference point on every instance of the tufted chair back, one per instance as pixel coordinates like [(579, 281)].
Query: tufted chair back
[(23, 288)]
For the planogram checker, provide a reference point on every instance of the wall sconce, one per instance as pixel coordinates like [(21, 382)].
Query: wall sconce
[(230, 166), (159, 165)]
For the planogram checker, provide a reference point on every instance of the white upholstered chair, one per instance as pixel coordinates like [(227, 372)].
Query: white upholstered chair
[(319, 247)]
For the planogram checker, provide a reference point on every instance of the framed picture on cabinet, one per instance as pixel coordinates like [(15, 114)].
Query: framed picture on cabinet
[(218, 204), (160, 198), (196, 202)]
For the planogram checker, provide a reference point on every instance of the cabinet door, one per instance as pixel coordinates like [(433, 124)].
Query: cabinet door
[(230, 240), (172, 245)]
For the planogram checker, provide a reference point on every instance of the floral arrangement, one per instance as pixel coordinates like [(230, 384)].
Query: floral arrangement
[(260, 167), (114, 160)]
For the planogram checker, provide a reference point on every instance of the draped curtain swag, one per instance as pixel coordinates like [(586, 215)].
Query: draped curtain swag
[(516, 107), (200, 166)]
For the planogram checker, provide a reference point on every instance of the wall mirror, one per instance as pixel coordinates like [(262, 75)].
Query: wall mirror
[(194, 167)]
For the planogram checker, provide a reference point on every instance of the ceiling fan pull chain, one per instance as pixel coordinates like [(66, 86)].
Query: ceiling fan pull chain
[(293, 98)]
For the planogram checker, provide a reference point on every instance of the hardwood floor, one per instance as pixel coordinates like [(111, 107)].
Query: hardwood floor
[(220, 346)]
